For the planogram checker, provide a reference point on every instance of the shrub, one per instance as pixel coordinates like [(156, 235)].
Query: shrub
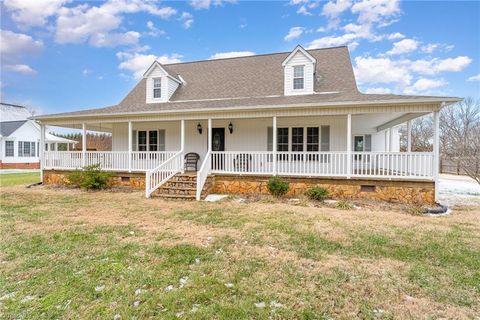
[(277, 187), (317, 193), (91, 177), (343, 205)]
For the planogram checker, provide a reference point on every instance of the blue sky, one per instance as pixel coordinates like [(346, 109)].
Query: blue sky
[(60, 55)]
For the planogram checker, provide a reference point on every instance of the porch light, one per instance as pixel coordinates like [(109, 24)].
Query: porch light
[(199, 128), (230, 127)]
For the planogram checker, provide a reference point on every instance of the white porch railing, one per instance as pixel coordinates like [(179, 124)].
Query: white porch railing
[(407, 165), (156, 177), (202, 174), (108, 160)]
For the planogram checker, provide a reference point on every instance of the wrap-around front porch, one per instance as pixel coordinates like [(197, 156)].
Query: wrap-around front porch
[(337, 146)]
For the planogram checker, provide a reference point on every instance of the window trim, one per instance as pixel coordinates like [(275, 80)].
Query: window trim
[(298, 77), (154, 88), (305, 138), (12, 155)]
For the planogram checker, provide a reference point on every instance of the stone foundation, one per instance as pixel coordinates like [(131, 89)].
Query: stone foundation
[(135, 180), (409, 192), (25, 165)]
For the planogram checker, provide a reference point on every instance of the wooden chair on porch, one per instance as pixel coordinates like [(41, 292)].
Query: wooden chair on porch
[(191, 161)]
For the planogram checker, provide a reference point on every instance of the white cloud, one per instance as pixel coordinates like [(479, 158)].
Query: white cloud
[(378, 90), (98, 25), (395, 36), (474, 78), (403, 46), (424, 85), (86, 72), (431, 47), (303, 10), (333, 9), (205, 4), (30, 13), (17, 44), (138, 63), (187, 19), (231, 54), (376, 11), (154, 31), (14, 46), (436, 65), (380, 70), (294, 33), (20, 68)]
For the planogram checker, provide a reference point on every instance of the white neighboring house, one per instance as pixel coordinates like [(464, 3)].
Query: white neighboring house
[(294, 114), (20, 138)]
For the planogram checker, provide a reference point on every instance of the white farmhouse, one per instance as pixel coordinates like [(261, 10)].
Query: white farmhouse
[(20, 138)]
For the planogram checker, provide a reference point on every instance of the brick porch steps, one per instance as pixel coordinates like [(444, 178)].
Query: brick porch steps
[(183, 186)]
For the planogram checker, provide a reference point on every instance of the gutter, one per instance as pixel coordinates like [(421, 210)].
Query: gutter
[(256, 107)]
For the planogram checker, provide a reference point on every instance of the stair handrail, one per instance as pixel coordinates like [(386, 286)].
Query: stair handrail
[(202, 174), (156, 177)]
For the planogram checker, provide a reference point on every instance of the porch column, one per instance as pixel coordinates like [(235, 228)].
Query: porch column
[(436, 150), (182, 135), (349, 146), (390, 139), (130, 146), (274, 145), (84, 144), (68, 146), (42, 150), (409, 136), (209, 134)]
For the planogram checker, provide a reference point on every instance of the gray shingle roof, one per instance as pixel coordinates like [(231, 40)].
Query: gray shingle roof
[(8, 127), (254, 81)]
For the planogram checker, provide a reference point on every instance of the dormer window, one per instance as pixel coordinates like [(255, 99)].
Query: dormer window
[(298, 77), (157, 88)]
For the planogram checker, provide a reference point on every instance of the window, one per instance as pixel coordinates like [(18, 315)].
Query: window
[(153, 140), (298, 78), (312, 139), (9, 146), (282, 137), (297, 139), (32, 149), (20, 148), (142, 140), (157, 88), (26, 149)]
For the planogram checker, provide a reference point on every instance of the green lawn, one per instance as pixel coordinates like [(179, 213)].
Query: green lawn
[(14, 179), (98, 255)]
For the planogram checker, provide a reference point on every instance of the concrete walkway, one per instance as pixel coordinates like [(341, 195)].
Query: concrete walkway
[(8, 171)]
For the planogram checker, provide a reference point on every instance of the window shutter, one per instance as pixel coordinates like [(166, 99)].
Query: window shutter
[(325, 138), (368, 142), (134, 140), (161, 140), (269, 138)]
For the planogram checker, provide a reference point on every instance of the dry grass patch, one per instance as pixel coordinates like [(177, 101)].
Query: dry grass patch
[(58, 246)]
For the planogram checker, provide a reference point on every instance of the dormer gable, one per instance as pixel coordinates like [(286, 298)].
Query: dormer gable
[(299, 72), (160, 84)]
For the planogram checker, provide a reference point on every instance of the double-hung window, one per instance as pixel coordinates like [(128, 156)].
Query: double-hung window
[(297, 139), (20, 148), (157, 88), (298, 77), (282, 139), (312, 139), (9, 147)]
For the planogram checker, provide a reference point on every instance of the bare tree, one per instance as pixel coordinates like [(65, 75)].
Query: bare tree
[(460, 135), (422, 135)]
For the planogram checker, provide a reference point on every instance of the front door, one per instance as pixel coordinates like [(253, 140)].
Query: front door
[(218, 144), (358, 146)]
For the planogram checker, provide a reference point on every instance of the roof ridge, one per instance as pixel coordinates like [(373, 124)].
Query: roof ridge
[(252, 56), (13, 105)]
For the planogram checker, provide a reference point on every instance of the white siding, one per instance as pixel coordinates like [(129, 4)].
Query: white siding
[(28, 132), (297, 60), (172, 86), (168, 86)]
